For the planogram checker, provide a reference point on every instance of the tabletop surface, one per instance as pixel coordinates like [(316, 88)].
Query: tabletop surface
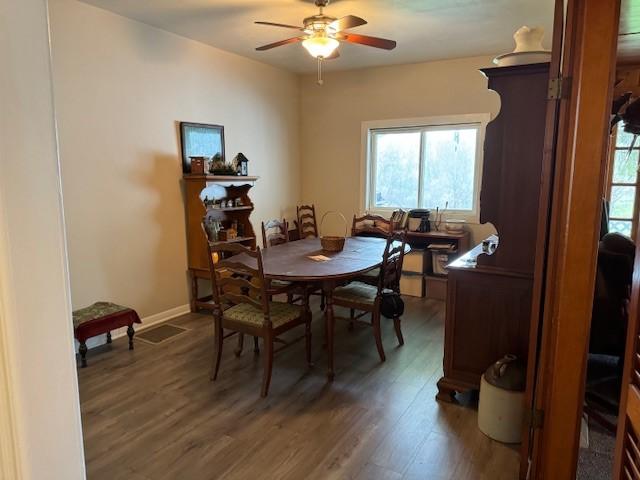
[(290, 261)]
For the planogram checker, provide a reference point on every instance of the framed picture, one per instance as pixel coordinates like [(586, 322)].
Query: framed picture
[(200, 140)]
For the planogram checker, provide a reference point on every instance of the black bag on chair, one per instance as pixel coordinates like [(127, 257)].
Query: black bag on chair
[(391, 305)]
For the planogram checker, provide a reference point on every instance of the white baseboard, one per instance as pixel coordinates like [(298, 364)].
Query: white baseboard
[(147, 322)]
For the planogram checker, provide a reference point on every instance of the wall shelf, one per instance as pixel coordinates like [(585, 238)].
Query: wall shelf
[(233, 209), (237, 240), (221, 178)]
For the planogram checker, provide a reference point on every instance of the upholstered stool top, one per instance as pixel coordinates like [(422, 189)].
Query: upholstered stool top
[(95, 311)]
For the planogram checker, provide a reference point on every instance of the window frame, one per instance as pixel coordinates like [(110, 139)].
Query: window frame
[(444, 122), (613, 148)]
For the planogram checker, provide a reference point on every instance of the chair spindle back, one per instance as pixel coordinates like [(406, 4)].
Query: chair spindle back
[(392, 260), (307, 224), (275, 232), (370, 225), (235, 280)]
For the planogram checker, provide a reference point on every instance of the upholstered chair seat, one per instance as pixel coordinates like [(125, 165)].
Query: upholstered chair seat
[(279, 312)]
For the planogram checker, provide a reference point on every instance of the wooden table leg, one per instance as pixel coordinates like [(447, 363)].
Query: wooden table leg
[(330, 322)]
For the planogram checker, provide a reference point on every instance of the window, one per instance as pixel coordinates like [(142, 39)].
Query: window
[(424, 163), (623, 185)]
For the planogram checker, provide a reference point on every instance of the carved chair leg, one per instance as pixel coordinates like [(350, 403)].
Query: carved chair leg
[(194, 292), (219, 334), (268, 364), (396, 326), (289, 297), (330, 321), (326, 332), (83, 353), (130, 332), (256, 346), (377, 333), (352, 315), (108, 337), (307, 339), (240, 347)]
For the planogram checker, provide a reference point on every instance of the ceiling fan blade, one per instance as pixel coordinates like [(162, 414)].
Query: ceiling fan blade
[(350, 21), (271, 24), (369, 41), (280, 43)]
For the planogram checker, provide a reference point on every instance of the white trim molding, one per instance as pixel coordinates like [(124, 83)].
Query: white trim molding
[(9, 462), (366, 169), (40, 425)]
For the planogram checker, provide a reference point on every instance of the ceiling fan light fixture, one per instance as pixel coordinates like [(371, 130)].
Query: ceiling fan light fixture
[(320, 46)]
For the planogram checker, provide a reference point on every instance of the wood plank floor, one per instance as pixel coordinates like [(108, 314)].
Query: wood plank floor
[(152, 413)]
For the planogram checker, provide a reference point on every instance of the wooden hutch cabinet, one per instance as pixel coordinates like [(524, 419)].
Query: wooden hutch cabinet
[(200, 192), (489, 296)]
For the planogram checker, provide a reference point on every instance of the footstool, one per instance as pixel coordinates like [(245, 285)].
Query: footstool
[(99, 318)]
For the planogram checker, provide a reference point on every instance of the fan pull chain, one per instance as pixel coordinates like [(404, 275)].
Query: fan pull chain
[(320, 80)]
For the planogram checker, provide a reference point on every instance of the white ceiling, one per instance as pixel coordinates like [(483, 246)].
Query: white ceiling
[(424, 29)]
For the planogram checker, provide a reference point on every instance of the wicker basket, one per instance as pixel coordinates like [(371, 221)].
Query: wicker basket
[(332, 243)]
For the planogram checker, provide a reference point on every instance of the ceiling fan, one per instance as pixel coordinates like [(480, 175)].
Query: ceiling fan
[(323, 34)]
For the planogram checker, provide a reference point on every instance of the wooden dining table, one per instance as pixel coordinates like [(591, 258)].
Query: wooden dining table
[(292, 262)]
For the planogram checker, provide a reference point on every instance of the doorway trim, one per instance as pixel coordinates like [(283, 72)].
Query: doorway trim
[(589, 61)]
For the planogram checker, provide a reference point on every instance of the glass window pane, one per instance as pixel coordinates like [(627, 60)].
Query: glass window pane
[(449, 170), (622, 200), (624, 139), (620, 226), (397, 157), (625, 166)]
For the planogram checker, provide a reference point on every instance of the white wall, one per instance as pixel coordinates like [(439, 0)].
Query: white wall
[(333, 115), (121, 86), (39, 410)]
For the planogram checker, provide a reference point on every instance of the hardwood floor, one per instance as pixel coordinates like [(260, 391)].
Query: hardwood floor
[(153, 414)]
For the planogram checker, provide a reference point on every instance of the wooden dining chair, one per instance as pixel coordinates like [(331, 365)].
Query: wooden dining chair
[(308, 228), (366, 299), (242, 304), (275, 232), (370, 225), (307, 224)]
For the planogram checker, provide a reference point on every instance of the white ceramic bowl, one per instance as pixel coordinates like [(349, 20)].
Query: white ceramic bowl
[(453, 225), (522, 58)]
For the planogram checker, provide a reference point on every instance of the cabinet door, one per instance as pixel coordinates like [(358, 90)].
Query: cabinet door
[(492, 314)]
